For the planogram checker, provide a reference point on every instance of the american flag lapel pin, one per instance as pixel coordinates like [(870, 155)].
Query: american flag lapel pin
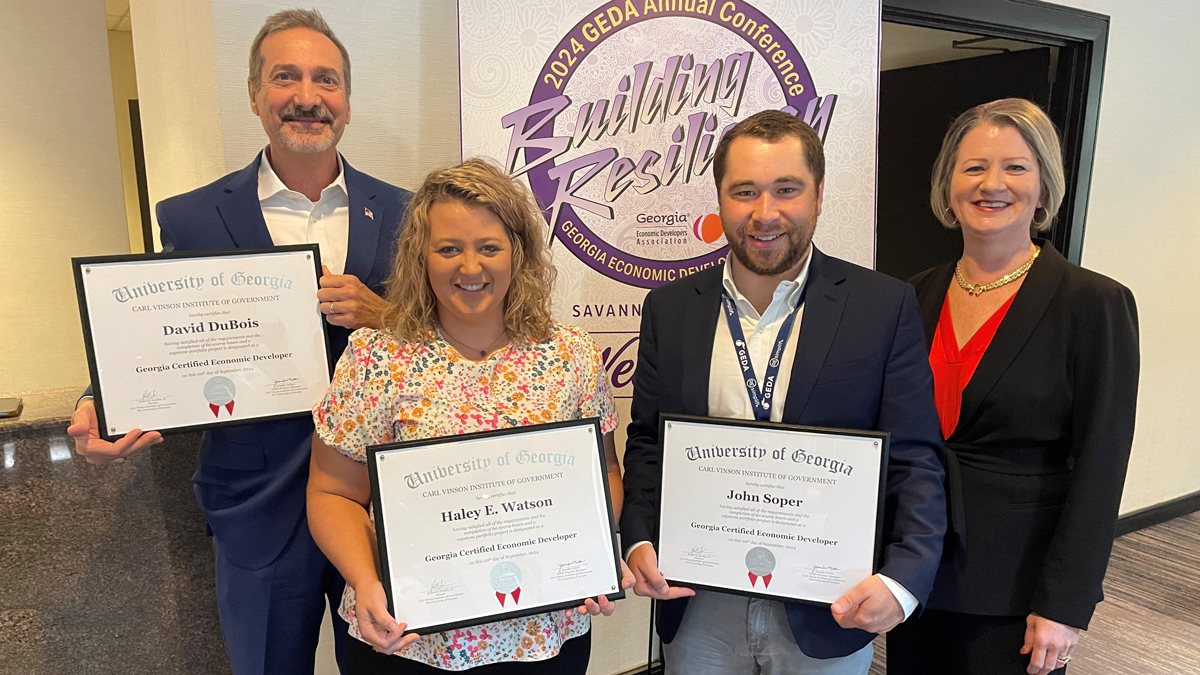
[(367, 213)]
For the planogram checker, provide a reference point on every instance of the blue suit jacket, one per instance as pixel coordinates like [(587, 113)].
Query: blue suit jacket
[(860, 363), (251, 479)]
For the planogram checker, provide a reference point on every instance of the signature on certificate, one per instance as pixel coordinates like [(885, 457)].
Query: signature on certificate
[(152, 396), (826, 574), (439, 586), (697, 550), (285, 383)]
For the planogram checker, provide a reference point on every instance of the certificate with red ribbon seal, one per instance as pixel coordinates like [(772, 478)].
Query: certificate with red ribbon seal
[(770, 510), (494, 525), (193, 340)]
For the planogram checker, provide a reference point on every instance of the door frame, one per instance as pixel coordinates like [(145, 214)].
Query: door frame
[(1082, 39)]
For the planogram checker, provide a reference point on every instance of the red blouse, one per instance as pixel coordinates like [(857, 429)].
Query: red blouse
[(953, 367)]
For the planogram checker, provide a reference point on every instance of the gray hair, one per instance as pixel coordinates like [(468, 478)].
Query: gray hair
[(1039, 133), (286, 20)]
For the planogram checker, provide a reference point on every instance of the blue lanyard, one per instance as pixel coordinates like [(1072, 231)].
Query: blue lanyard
[(760, 399)]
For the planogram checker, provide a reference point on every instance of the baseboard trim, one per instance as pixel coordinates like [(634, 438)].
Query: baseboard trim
[(655, 669), (1159, 513)]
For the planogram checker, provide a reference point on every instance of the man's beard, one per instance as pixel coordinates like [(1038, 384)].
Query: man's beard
[(318, 139), (798, 237)]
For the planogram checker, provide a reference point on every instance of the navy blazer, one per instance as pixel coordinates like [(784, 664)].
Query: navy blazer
[(860, 363), (251, 479)]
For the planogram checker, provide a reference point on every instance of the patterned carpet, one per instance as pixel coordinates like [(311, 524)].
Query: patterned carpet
[(1149, 622)]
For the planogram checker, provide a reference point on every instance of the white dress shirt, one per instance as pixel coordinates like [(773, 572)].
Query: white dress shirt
[(293, 219), (727, 395)]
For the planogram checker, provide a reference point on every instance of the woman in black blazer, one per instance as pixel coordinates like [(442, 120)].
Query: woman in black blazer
[(1037, 408)]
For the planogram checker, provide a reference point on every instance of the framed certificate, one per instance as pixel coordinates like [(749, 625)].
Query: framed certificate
[(183, 341), (770, 510), (490, 526)]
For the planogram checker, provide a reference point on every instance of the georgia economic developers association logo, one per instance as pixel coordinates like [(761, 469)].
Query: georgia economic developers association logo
[(624, 118)]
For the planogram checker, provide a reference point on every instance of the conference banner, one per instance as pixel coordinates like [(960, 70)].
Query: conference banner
[(194, 340), (611, 112)]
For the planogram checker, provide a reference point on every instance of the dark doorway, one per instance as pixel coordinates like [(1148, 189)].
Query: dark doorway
[(916, 105), (139, 164), (1076, 41)]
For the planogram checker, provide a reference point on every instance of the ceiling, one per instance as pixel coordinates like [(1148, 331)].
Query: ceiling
[(903, 46), (906, 46), (117, 12)]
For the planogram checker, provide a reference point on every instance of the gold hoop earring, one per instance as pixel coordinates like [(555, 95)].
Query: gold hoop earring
[(1043, 219), (949, 211)]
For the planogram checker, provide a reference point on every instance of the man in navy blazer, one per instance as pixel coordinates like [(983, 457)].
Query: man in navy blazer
[(272, 580), (855, 359)]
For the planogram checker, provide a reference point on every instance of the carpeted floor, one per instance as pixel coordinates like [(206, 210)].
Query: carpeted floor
[(1149, 622)]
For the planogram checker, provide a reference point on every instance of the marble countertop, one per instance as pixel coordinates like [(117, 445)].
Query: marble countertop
[(106, 569), (45, 410)]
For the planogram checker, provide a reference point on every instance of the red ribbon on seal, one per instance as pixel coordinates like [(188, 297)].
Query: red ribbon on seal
[(516, 596), (754, 579), (216, 408)]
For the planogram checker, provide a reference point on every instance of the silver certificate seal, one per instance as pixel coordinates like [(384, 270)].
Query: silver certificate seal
[(219, 392), (761, 563), (506, 579)]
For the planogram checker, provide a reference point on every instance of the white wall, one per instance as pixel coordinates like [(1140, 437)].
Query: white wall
[(1143, 227), (60, 184), (124, 81), (177, 88)]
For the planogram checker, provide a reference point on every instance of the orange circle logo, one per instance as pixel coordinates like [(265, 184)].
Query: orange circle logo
[(708, 228)]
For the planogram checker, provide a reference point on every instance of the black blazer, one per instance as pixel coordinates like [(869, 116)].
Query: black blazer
[(1037, 462), (860, 364)]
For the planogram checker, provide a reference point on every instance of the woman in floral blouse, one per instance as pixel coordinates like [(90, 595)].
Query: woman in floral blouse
[(468, 345)]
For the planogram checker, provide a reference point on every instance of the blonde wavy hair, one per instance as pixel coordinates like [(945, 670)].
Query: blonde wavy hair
[(411, 313), (1039, 133)]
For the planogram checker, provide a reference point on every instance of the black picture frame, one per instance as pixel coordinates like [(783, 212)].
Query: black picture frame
[(885, 443), (79, 265), (381, 529)]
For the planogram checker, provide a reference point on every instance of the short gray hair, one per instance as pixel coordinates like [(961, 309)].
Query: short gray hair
[(1039, 133), (286, 20)]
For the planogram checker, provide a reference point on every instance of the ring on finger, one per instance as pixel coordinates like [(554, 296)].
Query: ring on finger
[(1064, 658)]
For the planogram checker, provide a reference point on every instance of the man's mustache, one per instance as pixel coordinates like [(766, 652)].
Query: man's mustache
[(315, 114)]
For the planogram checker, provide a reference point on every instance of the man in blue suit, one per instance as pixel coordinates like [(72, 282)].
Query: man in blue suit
[(845, 349), (272, 580)]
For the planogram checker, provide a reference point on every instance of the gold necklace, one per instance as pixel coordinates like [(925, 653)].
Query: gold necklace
[(482, 352), (978, 290)]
